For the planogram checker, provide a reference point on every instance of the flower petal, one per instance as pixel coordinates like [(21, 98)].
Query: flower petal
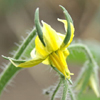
[(50, 37), (64, 22), (26, 64), (40, 50), (33, 55), (58, 60), (62, 58), (30, 63), (46, 61), (66, 52), (72, 30)]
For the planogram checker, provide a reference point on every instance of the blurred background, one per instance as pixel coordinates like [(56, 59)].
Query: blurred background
[(17, 19)]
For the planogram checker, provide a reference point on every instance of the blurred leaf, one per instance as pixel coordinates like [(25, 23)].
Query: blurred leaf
[(88, 96), (8, 5), (77, 56)]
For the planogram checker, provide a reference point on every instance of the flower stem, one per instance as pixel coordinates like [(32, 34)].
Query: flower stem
[(85, 49), (65, 89), (57, 71), (55, 91), (11, 70), (72, 95)]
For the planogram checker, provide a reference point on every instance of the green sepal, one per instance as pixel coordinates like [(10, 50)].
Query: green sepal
[(69, 20), (38, 26), (14, 60), (70, 81)]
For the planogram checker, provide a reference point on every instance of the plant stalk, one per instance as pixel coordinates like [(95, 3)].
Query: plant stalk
[(65, 89), (55, 91), (11, 70)]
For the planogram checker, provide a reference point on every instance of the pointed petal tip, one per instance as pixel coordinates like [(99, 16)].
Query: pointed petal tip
[(13, 63), (58, 19), (71, 73), (42, 22), (33, 53)]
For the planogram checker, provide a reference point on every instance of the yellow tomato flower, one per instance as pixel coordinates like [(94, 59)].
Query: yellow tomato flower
[(53, 53)]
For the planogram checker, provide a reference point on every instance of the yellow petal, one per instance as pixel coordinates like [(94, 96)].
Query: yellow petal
[(54, 59), (13, 63), (71, 38), (27, 64), (72, 30), (51, 38), (66, 52), (33, 53), (62, 36), (62, 58), (31, 63), (46, 61), (40, 50), (64, 22), (59, 61)]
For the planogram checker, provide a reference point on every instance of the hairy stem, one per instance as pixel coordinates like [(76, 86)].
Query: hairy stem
[(65, 89), (11, 70), (72, 95), (55, 91)]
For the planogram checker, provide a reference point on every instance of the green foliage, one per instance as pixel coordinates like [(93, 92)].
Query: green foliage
[(77, 56), (88, 96)]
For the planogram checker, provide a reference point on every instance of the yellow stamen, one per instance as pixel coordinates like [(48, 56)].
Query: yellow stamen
[(58, 63)]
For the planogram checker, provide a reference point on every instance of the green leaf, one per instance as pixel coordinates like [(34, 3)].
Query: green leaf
[(38, 26)]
